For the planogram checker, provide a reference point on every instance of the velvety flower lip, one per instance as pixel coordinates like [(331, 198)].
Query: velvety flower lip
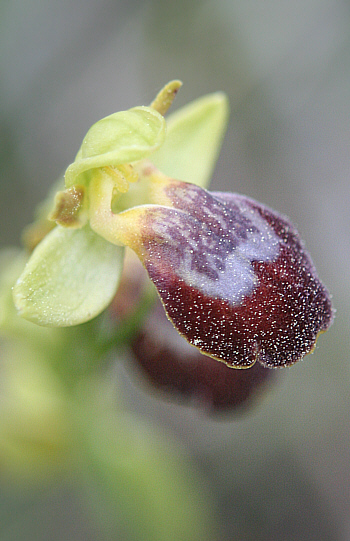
[(233, 275)]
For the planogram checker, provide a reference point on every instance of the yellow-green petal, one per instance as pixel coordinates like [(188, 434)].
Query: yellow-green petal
[(123, 137), (70, 278)]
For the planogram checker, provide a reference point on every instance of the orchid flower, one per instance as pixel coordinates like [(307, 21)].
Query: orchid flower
[(233, 276)]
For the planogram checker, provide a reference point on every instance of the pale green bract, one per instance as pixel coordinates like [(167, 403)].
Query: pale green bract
[(71, 277), (193, 141), (124, 137)]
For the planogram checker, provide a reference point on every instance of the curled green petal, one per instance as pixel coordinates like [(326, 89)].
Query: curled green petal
[(70, 278), (193, 141), (123, 137)]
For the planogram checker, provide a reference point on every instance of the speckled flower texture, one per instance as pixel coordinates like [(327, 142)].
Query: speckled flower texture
[(233, 276)]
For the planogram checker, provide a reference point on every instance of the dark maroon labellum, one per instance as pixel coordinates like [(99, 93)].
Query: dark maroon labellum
[(234, 277)]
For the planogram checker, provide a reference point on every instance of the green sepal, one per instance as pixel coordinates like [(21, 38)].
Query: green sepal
[(123, 137), (193, 141), (70, 278)]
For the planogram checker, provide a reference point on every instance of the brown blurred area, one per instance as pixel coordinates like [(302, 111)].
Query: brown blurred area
[(280, 472)]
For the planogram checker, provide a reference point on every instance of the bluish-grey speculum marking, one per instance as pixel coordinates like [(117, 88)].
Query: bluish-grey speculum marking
[(209, 245)]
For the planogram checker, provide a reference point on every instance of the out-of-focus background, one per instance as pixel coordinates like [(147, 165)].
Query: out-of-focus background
[(282, 470)]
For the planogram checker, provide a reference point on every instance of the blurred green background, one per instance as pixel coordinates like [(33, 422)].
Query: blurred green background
[(281, 471)]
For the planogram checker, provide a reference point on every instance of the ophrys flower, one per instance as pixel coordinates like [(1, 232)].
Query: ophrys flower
[(233, 275)]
